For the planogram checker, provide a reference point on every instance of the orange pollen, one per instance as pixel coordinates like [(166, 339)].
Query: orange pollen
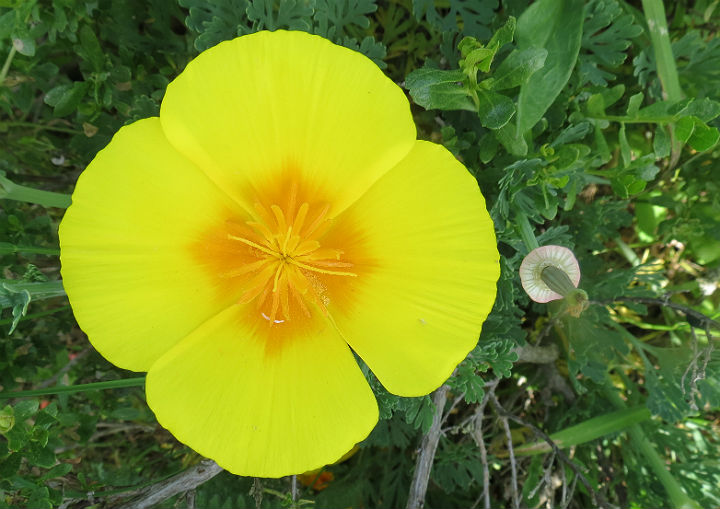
[(289, 260)]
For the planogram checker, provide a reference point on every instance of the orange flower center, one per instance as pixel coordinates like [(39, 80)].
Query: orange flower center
[(287, 258)]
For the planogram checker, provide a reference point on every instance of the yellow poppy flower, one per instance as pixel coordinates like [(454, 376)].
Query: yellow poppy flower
[(278, 216)]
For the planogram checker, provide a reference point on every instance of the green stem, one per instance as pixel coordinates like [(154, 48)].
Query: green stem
[(71, 389), (660, 38), (6, 65), (633, 120), (526, 231), (38, 291), (7, 248), (628, 253), (41, 126), (640, 442), (9, 321), (12, 191)]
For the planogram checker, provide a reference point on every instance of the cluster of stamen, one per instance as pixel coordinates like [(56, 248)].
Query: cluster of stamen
[(290, 260)]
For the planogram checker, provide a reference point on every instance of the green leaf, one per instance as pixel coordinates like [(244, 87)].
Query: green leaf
[(418, 411), (504, 35), (703, 137), (634, 104), (40, 455), (7, 419), (508, 136), (25, 409), (556, 26), (10, 465), (90, 49), (495, 110), (66, 98), (684, 128), (476, 15), (488, 147), (588, 430), (516, 69), (661, 142), (19, 300), (334, 16), (696, 133), (24, 45), (608, 32), (215, 21), (438, 89), (290, 15), (625, 151)]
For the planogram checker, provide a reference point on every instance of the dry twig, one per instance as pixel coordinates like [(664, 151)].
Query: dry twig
[(183, 482), (421, 476)]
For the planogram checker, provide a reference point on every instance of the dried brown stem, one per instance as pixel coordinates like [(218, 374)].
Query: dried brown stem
[(428, 447), (183, 482)]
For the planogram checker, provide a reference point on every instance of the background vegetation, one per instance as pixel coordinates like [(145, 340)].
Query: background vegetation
[(589, 124)]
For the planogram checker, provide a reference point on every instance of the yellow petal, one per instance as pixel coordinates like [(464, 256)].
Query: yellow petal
[(250, 110), (258, 411), (428, 274), (127, 263)]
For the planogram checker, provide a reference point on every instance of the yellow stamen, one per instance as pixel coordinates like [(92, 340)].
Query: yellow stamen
[(288, 251)]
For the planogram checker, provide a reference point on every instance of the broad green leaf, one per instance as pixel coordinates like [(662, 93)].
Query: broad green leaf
[(487, 147), (589, 430), (24, 45), (556, 26), (703, 137), (516, 69), (438, 89), (66, 98), (90, 49), (684, 128), (508, 136), (495, 110)]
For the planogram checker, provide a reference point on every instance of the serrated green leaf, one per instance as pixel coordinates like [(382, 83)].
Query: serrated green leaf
[(608, 32), (475, 16), (40, 455), (289, 15), (516, 69), (556, 26), (438, 89), (25, 409), (57, 471)]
